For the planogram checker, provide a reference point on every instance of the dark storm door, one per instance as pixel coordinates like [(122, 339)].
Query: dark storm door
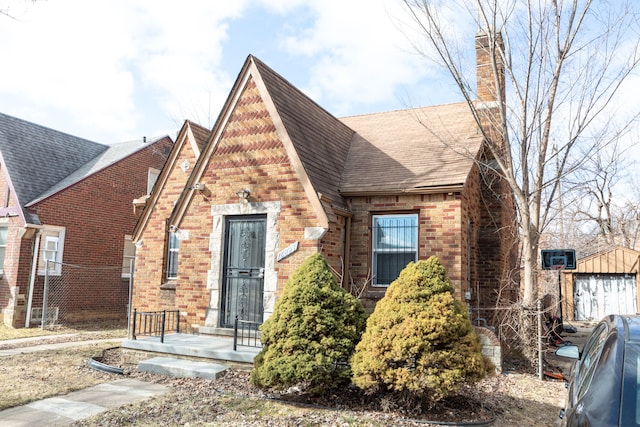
[(243, 279)]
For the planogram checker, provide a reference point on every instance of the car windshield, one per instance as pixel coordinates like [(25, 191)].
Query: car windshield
[(630, 410)]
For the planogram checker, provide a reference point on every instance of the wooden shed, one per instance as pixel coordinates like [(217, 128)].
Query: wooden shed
[(602, 284)]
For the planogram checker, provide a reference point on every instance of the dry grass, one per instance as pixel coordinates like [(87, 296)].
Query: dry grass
[(51, 335), (108, 331), (516, 399), (7, 333), (33, 376)]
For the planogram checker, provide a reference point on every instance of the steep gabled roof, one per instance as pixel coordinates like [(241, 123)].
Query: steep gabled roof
[(40, 161), (416, 150), (316, 142), (190, 133), (420, 150), (320, 139), (36, 157), (201, 135)]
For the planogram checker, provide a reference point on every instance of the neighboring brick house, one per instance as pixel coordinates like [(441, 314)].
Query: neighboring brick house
[(280, 178), (69, 200)]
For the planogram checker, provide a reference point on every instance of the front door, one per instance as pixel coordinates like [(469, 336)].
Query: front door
[(243, 280)]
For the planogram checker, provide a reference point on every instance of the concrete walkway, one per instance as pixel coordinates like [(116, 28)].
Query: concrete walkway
[(64, 410)]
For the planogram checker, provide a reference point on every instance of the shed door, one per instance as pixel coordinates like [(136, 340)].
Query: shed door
[(598, 295), (243, 281)]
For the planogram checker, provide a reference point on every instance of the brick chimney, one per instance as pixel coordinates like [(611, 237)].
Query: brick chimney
[(491, 83), (496, 232), (488, 41)]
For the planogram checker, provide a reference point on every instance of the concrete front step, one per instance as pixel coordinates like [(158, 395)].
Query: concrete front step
[(181, 368)]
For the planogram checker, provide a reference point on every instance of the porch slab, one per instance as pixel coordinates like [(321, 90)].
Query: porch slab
[(198, 346), (181, 368)]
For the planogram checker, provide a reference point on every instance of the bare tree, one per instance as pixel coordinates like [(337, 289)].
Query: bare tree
[(563, 63), (604, 213), (12, 9)]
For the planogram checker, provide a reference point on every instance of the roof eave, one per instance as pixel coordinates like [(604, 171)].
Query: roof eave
[(183, 136), (438, 189)]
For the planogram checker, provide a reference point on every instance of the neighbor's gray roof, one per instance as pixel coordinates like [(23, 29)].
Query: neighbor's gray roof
[(37, 157), (111, 155), (41, 161), (412, 150)]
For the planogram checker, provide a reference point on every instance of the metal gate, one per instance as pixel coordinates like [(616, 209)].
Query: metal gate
[(243, 281), (598, 295)]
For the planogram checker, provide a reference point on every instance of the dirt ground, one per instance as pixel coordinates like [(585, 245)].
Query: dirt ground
[(513, 398)]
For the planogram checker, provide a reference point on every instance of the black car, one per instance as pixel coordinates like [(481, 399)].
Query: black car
[(604, 389)]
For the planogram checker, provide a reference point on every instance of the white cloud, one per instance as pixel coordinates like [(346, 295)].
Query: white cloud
[(180, 52), (61, 60), (94, 61), (360, 56), (112, 70)]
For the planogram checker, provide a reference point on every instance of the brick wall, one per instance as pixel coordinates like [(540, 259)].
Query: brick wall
[(486, 81), (15, 278), (96, 212), (441, 228), (332, 247), (152, 291), (498, 254), (249, 155)]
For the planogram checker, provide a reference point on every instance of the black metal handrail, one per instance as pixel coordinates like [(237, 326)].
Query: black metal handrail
[(246, 333), (155, 323)]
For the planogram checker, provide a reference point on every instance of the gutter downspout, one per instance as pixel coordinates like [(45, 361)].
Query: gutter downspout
[(32, 279), (347, 251)]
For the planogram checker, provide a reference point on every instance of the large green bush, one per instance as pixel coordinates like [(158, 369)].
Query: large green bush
[(419, 339), (312, 333)]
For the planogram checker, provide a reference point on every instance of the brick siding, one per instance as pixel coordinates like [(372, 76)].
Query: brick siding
[(97, 213)]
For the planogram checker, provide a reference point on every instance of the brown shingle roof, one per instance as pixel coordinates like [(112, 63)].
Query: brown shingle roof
[(200, 133), (320, 140), (410, 150)]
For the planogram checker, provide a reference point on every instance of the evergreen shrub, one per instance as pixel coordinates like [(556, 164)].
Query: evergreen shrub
[(311, 334), (419, 340)]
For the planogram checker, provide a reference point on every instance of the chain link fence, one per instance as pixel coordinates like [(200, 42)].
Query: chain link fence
[(75, 296)]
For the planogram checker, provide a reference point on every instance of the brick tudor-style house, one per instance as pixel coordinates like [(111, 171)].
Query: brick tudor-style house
[(236, 210), (69, 200)]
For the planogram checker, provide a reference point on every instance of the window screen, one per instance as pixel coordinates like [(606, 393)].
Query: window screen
[(395, 244)]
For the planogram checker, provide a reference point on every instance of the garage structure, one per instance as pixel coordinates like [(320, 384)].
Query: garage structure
[(602, 284)]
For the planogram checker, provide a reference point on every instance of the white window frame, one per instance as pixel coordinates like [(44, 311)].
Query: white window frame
[(126, 259), (3, 248), (152, 177), (55, 235), (375, 251), (172, 255)]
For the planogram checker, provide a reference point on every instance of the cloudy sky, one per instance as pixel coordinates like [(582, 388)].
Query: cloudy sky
[(116, 70)]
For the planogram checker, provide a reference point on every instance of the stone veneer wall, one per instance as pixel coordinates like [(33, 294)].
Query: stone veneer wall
[(490, 346)]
